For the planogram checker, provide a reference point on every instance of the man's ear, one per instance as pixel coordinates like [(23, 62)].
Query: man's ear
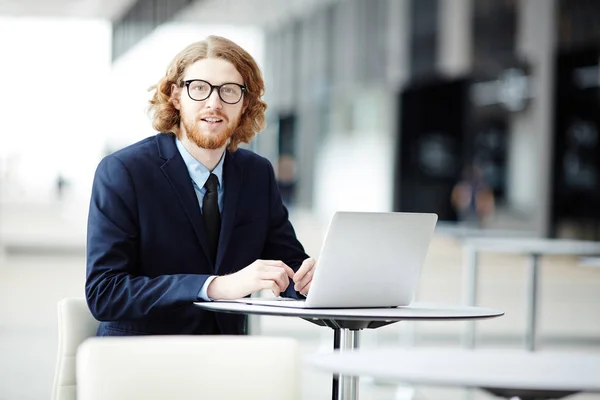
[(175, 96)]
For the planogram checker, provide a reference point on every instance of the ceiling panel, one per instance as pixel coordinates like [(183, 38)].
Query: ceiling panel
[(264, 13), (96, 9)]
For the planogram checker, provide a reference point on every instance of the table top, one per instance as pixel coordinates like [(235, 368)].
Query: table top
[(534, 246), (490, 369), (416, 311)]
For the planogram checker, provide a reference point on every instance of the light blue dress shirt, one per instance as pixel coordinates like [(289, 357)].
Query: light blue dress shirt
[(199, 175)]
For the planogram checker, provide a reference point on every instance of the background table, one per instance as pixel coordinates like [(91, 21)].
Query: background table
[(507, 373), (534, 248), (466, 231), (347, 323)]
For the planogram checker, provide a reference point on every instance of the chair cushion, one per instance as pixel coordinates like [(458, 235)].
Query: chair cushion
[(188, 367)]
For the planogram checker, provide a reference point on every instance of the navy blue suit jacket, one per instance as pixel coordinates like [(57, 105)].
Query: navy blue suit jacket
[(147, 247)]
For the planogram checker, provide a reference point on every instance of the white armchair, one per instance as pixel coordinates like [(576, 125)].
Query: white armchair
[(75, 324), (188, 367)]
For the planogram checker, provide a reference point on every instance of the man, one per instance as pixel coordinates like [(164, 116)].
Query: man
[(185, 216)]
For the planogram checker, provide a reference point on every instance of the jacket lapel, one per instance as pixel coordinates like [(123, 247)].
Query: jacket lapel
[(232, 176), (176, 172)]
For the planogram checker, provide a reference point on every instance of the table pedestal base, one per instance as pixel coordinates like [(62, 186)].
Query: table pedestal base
[(345, 387), (345, 338)]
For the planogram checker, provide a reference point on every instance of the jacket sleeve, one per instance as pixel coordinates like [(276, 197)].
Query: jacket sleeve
[(114, 288), (282, 243)]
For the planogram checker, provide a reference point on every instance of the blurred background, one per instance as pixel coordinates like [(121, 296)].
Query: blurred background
[(485, 112)]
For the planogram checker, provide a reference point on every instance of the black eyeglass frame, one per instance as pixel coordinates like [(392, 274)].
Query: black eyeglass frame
[(213, 87)]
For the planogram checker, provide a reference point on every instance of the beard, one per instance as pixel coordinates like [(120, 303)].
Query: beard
[(206, 139)]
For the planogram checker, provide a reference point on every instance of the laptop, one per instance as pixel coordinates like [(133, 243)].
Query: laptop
[(367, 260)]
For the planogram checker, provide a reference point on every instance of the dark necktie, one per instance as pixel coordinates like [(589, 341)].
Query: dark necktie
[(212, 217)]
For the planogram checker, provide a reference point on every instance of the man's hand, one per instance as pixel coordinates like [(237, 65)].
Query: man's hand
[(303, 278), (261, 274)]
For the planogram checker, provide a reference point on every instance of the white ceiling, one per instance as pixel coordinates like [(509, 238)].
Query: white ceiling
[(95, 9), (264, 13), (231, 12)]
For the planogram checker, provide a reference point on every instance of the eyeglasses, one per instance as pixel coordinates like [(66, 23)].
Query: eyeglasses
[(230, 93)]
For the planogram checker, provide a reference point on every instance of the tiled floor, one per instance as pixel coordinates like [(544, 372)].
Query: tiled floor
[(32, 283)]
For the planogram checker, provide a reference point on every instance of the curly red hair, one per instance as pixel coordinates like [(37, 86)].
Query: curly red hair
[(166, 118)]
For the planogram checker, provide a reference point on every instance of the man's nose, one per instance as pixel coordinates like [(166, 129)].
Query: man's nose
[(214, 101)]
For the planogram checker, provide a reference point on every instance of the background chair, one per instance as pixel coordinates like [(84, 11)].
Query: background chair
[(75, 324), (188, 367)]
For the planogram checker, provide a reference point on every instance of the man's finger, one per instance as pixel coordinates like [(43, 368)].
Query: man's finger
[(307, 265), (268, 284), (275, 275), (279, 264), (304, 290), (305, 280), (303, 287)]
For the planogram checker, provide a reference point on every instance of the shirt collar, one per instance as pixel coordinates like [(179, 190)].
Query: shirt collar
[(198, 172)]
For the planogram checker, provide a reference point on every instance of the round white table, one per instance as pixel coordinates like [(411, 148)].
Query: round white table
[(534, 248), (506, 373), (347, 323)]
